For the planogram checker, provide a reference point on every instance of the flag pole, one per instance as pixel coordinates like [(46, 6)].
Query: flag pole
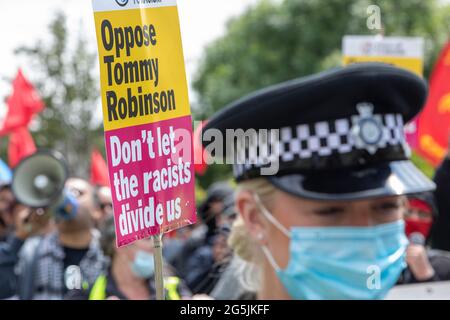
[(159, 279)]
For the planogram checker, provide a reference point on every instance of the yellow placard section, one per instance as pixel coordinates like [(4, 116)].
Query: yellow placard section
[(142, 70), (412, 64)]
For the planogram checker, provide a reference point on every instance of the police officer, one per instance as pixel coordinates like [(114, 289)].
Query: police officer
[(327, 223)]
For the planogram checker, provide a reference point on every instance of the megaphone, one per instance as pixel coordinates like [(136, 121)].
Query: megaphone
[(38, 182)]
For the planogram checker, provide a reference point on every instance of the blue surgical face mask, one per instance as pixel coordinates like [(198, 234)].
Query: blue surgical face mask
[(328, 263), (143, 265)]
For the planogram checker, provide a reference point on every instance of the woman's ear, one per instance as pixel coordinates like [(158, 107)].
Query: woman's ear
[(248, 209)]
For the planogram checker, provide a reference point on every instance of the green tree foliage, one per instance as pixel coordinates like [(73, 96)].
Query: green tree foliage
[(64, 72), (426, 168), (275, 41)]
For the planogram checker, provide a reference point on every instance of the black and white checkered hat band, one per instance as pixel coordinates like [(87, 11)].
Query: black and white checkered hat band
[(325, 144)]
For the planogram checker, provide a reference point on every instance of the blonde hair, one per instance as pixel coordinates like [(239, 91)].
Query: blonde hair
[(248, 251)]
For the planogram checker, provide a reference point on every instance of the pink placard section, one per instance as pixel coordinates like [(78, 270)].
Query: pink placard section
[(151, 171)]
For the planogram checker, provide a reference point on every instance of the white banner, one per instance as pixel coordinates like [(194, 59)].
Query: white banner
[(113, 5), (377, 46)]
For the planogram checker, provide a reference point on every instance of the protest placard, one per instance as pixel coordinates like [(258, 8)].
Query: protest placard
[(147, 117), (403, 52)]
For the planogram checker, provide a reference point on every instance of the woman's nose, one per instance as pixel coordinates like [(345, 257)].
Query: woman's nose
[(360, 215)]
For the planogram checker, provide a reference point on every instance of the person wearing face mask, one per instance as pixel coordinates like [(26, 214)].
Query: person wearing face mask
[(321, 197), (424, 264), (420, 216), (130, 272)]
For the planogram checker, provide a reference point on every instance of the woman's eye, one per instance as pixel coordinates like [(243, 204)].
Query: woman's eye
[(388, 206), (329, 211), (408, 213), (424, 215)]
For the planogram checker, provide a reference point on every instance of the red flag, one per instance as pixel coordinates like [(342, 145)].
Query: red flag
[(22, 105), (21, 145), (99, 169), (200, 155), (434, 121)]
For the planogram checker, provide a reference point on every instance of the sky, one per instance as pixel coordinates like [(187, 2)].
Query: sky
[(24, 22)]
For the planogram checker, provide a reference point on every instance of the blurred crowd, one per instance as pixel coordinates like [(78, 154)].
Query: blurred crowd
[(43, 256)]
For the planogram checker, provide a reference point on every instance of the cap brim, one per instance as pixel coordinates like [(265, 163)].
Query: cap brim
[(388, 179)]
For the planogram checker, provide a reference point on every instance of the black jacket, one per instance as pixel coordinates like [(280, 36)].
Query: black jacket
[(440, 233), (9, 255)]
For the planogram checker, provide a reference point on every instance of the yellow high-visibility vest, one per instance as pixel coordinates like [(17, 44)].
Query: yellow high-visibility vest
[(98, 291), (171, 285)]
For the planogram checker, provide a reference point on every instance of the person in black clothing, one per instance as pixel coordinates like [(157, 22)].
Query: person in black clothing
[(27, 222), (208, 263), (7, 204), (440, 235), (214, 205), (424, 264), (199, 246)]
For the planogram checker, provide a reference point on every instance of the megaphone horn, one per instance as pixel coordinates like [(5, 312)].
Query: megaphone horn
[(38, 182)]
